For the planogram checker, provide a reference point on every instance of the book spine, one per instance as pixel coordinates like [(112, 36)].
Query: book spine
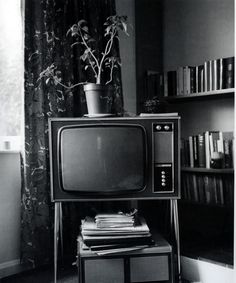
[(205, 81), (201, 191), (165, 75), (209, 76), (195, 151), (197, 77), (214, 75), (207, 149), (191, 153), (180, 81), (186, 78), (193, 76), (219, 63), (207, 189), (201, 151), (195, 188), (228, 72)]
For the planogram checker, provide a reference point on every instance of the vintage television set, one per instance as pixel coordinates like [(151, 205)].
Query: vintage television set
[(114, 158)]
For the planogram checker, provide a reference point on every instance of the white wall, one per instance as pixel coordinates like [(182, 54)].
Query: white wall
[(202, 271), (10, 191), (127, 53)]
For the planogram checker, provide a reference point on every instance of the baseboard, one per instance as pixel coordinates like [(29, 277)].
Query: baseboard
[(11, 267), (196, 270)]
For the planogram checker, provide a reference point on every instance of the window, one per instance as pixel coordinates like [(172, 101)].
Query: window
[(11, 74)]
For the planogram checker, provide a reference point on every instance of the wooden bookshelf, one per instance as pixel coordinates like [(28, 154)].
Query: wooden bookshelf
[(208, 171), (216, 94)]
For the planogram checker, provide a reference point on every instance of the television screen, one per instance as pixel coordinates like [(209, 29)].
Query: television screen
[(112, 157)]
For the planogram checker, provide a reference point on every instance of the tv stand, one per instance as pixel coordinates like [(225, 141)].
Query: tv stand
[(58, 233), (152, 264)]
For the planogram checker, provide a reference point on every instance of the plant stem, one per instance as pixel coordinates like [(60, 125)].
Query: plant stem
[(65, 86), (106, 52), (89, 49)]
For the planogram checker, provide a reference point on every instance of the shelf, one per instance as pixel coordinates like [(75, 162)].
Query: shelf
[(217, 206), (216, 94), (207, 171)]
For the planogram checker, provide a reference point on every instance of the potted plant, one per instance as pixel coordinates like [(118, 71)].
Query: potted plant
[(99, 94)]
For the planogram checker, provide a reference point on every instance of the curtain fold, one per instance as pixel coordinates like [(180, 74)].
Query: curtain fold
[(46, 24)]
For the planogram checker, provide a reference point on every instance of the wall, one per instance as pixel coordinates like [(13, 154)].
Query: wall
[(202, 271), (148, 43), (196, 31), (10, 189), (128, 57)]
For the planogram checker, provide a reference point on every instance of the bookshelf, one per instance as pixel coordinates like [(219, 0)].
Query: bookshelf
[(217, 94), (204, 32), (208, 171)]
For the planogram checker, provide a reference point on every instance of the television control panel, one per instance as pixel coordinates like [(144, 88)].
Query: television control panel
[(163, 157)]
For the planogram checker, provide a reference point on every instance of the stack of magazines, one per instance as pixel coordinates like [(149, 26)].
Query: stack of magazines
[(115, 232)]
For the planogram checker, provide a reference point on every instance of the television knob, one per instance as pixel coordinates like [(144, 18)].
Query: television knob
[(163, 184), (158, 127), (166, 127)]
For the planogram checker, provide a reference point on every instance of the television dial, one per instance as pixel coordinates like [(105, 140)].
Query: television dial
[(166, 127), (158, 127)]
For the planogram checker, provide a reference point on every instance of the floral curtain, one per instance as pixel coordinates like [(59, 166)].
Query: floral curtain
[(46, 24)]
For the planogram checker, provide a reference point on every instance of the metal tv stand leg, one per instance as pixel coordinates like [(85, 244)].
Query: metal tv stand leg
[(175, 226), (57, 219)]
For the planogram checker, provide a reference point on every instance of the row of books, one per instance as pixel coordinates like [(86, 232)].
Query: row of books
[(211, 149), (114, 234), (208, 189), (212, 75)]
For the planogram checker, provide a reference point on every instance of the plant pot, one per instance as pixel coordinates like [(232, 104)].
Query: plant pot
[(99, 98)]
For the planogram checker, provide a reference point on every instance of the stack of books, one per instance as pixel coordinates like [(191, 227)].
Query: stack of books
[(115, 233), (211, 75), (198, 150)]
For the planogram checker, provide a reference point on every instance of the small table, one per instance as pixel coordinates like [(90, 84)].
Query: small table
[(152, 264)]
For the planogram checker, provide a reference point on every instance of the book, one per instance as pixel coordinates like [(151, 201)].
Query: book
[(89, 227), (195, 187), (196, 79), (214, 137), (201, 191), (195, 151), (209, 75), (200, 78), (201, 151), (228, 72), (214, 74), (180, 80), (165, 76), (193, 83), (207, 188), (219, 190), (205, 80), (219, 73), (191, 151), (207, 149), (186, 80)]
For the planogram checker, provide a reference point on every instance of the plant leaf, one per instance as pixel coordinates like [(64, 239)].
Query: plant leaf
[(81, 22)]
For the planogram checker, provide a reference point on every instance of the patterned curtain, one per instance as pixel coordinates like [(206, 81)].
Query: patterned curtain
[(46, 24)]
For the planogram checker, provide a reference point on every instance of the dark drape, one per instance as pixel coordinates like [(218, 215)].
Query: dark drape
[(46, 24)]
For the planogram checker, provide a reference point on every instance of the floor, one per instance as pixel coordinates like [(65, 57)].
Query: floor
[(65, 275)]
